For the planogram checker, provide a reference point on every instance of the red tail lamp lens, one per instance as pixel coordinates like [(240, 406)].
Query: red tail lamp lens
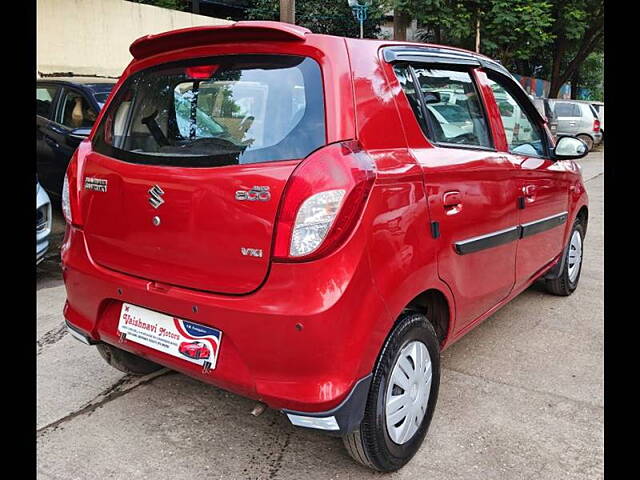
[(337, 167)]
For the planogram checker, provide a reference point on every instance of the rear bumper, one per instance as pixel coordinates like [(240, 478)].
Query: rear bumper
[(300, 343)]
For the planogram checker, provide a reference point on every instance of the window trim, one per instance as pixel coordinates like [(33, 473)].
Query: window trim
[(455, 67), (526, 104)]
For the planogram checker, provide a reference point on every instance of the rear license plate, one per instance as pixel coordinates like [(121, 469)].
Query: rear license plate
[(189, 341)]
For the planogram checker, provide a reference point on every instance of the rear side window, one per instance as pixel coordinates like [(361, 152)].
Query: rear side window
[(218, 111), (565, 109), (44, 100), (446, 105)]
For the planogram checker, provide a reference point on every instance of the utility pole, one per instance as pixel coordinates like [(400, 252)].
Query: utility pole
[(288, 11), (478, 30), (195, 6)]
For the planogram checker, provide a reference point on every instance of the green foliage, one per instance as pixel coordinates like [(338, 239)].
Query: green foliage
[(332, 17), (590, 76), (515, 29)]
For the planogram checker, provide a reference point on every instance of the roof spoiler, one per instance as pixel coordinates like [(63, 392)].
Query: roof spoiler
[(235, 32)]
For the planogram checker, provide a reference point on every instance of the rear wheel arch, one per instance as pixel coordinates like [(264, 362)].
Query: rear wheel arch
[(435, 306)]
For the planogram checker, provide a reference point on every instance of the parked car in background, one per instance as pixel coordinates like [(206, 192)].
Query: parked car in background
[(66, 109), (577, 118), (599, 106), (544, 107), (43, 222), (311, 216), (453, 116)]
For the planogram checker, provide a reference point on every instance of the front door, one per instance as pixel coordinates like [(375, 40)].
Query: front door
[(544, 186), (471, 190)]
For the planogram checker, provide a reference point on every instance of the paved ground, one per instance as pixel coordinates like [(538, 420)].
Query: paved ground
[(521, 397)]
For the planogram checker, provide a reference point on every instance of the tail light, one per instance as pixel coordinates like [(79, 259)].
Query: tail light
[(66, 205), (596, 126), (70, 190), (322, 202)]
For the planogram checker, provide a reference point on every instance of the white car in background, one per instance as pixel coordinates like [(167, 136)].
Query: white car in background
[(450, 128), (43, 222)]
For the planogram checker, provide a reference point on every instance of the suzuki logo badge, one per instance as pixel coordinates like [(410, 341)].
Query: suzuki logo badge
[(155, 198)]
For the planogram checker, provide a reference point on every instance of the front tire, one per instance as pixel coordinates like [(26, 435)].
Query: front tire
[(568, 280), (402, 397), (126, 362), (588, 140)]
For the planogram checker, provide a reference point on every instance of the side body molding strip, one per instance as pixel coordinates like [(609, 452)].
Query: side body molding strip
[(511, 234)]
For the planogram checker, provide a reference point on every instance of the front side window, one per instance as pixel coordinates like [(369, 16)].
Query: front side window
[(451, 112), (217, 111), (75, 111), (524, 136)]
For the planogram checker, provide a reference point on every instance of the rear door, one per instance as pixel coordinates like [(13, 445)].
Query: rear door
[(471, 191), (189, 165)]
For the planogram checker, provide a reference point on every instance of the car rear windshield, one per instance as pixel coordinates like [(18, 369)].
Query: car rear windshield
[(217, 111)]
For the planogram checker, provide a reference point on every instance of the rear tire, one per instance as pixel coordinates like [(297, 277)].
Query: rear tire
[(372, 444), (568, 280), (588, 140), (126, 362)]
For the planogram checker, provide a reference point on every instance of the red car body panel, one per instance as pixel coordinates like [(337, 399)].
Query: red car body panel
[(300, 335)]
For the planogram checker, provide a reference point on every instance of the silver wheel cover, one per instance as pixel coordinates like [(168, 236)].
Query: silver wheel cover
[(407, 394), (574, 258)]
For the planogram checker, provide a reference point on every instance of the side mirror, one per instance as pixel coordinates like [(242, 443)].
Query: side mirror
[(570, 148)]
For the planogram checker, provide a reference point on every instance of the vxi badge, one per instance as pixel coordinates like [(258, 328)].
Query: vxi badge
[(95, 184), (256, 193)]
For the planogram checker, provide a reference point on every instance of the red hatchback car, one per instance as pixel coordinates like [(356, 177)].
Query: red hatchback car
[(197, 350), (309, 203)]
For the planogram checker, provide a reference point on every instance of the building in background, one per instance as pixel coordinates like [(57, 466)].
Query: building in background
[(92, 37)]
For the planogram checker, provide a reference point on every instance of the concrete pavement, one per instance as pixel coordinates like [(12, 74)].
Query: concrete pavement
[(521, 397)]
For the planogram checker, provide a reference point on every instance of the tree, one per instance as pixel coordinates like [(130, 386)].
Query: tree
[(579, 30), (509, 30), (589, 77), (332, 17)]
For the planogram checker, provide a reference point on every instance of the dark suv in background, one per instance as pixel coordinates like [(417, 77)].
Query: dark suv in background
[(66, 110)]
